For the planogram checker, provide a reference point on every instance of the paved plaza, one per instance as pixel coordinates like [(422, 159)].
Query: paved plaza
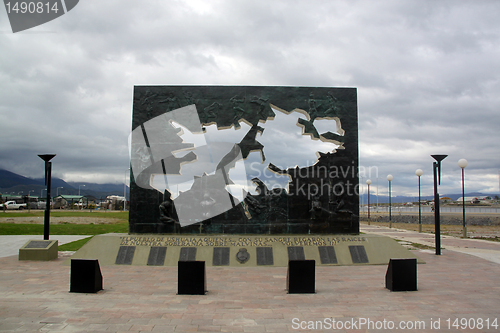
[(456, 290)]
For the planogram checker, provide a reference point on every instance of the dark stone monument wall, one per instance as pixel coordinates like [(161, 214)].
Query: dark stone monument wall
[(321, 198)]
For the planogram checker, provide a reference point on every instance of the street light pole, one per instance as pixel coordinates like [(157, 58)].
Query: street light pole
[(419, 173), (437, 180), (125, 190), (361, 191), (29, 200), (368, 182), (390, 178), (79, 187), (462, 164), (48, 181)]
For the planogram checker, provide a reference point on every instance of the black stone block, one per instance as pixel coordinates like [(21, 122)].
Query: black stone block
[(309, 206), (86, 276), (301, 277), (401, 275), (191, 278)]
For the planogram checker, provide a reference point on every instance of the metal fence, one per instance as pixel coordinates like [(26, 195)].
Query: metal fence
[(414, 209)]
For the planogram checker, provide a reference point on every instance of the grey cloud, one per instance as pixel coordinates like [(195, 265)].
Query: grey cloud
[(426, 74)]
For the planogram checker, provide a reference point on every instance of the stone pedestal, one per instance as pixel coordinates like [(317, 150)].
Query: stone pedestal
[(41, 250)]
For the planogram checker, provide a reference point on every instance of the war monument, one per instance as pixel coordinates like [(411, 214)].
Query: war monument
[(243, 176)]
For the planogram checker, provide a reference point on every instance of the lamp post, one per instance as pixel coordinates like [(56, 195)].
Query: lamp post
[(436, 166), (125, 191), (48, 181), (419, 173), (361, 191), (29, 201), (462, 164), (368, 182), (79, 187), (390, 178), (57, 190)]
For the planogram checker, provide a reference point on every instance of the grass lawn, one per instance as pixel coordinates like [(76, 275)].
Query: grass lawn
[(74, 246), (67, 213), (63, 229), (90, 229)]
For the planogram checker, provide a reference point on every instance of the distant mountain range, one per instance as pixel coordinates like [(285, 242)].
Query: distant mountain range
[(14, 184)]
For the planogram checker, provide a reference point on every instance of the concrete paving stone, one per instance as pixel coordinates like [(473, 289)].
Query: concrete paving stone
[(161, 321), (208, 328), (30, 327), (254, 329), (141, 321), (95, 319), (52, 327), (186, 328), (200, 322), (234, 329), (5, 327), (175, 322), (223, 322), (118, 327), (453, 285), (144, 328), (163, 329)]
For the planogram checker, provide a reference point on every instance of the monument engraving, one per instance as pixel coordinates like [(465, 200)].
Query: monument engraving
[(187, 254), (327, 255), (220, 256), (358, 254), (228, 241), (37, 245), (157, 255), (125, 255), (265, 256), (244, 160)]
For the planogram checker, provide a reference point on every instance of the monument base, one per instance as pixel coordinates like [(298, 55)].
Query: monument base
[(242, 250), (41, 250)]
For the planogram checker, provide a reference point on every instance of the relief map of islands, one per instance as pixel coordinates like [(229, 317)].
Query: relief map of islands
[(244, 160)]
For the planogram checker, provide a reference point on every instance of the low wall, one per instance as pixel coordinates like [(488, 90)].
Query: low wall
[(446, 219)]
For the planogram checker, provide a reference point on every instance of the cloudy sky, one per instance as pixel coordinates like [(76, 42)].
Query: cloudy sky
[(427, 75)]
